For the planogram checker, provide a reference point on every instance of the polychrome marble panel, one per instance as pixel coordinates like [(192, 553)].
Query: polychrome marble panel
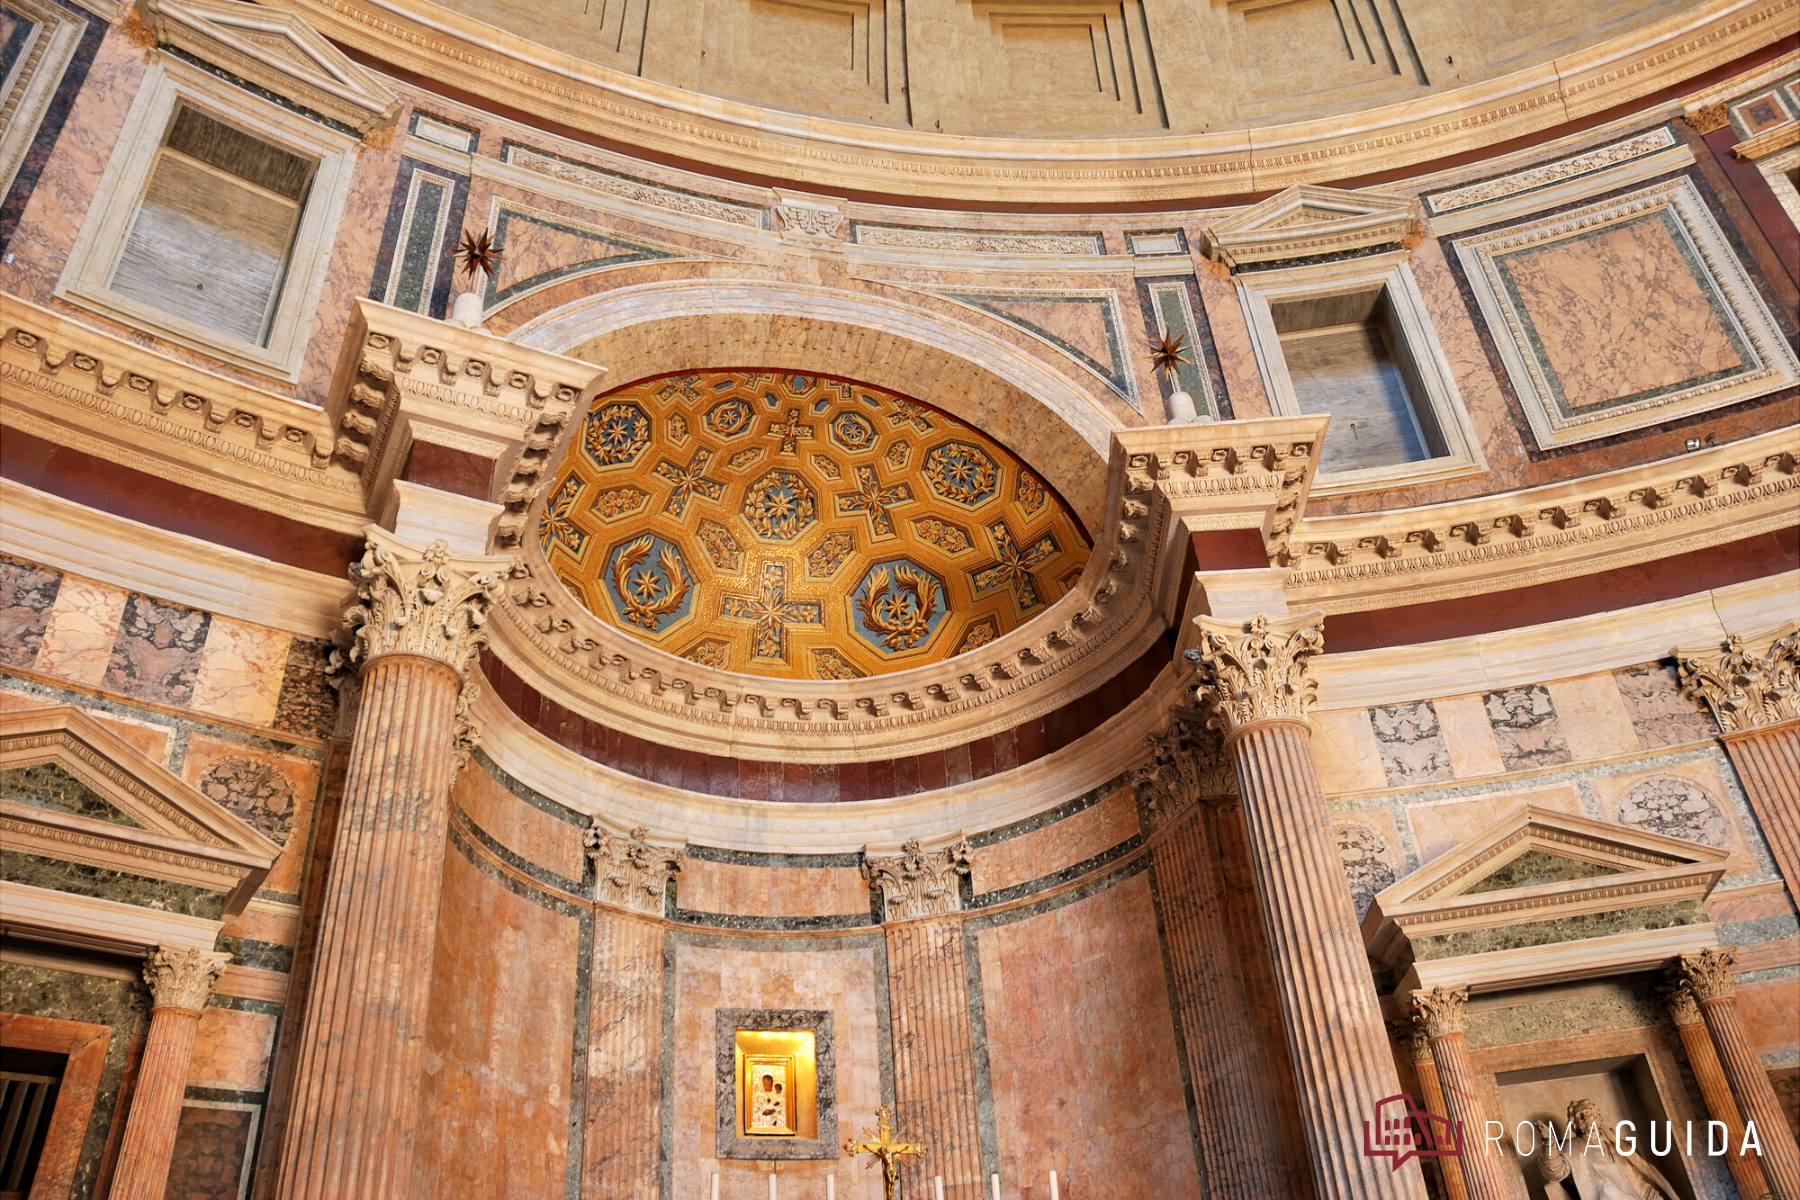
[(802, 527)]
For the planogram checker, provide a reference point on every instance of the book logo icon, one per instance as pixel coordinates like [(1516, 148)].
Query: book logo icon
[(1403, 1130)]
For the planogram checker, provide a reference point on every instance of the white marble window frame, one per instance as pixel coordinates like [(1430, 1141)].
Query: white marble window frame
[(1775, 169), (171, 83), (1774, 365), (419, 178), (1392, 272), (26, 93)]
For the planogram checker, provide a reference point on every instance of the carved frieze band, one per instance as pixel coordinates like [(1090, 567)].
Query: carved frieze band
[(1257, 670), (1748, 685), (919, 883), (182, 978), (632, 872)]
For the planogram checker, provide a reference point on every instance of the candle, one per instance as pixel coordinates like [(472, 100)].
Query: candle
[(995, 1179), (1053, 1193), (830, 1187), (715, 1195), (771, 1185), (937, 1184)]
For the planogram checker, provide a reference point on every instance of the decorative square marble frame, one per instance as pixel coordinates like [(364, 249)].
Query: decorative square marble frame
[(26, 92), (1393, 273), (171, 83), (816, 1022), (1696, 335)]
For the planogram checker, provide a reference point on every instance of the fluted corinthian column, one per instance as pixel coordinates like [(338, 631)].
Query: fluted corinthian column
[(416, 631), (1254, 678), (1715, 1089), (1708, 975), (1440, 1014), (1753, 691), (1431, 1095), (1239, 1129), (180, 981)]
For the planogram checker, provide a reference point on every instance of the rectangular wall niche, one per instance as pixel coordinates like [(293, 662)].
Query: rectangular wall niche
[(777, 1084), (1625, 1089), (1346, 357)]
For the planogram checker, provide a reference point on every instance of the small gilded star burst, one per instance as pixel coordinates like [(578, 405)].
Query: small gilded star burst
[(478, 252), (1167, 354)]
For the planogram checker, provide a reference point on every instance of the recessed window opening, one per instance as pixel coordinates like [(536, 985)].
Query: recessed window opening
[(1345, 356), (214, 231), (28, 1084)]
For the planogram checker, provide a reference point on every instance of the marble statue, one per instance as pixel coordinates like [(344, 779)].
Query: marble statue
[(1589, 1166)]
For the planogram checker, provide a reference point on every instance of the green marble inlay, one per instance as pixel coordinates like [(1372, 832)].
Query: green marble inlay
[(1537, 866), (82, 880), (50, 786), (1564, 929)]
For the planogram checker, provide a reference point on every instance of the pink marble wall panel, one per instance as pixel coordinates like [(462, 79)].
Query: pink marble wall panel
[(241, 668), (1055, 846), (1687, 800), (744, 974), (754, 891), (1348, 755), (273, 792), (84, 623), (529, 832), (494, 1103), (212, 1146), (1237, 358), (232, 1050), (1594, 717), (1772, 1012), (1081, 1050), (1441, 827)]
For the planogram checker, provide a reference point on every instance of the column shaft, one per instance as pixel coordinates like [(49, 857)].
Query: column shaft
[(1238, 1124), (1461, 1097), (351, 1120), (1755, 1095), (624, 1098), (1768, 761), (1715, 1090), (1431, 1095), (142, 1170), (934, 1054), (1335, 1034)]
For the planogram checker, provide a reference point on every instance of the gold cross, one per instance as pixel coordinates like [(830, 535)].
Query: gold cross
[(884, 1147), (790, 430)]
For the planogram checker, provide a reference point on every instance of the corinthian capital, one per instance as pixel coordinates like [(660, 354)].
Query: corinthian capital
[(630, 872), (1187, 763), (1683, 1008), (182, 978), (915, 883), (1746, 688), (1440, 1011), (427, 602), (1257, 669), (1708, 974)]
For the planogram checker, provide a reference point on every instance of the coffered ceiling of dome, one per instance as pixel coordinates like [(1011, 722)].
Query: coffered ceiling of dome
[(802, 527)]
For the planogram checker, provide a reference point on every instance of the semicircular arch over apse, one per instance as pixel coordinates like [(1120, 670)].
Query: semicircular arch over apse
[(801, 526)]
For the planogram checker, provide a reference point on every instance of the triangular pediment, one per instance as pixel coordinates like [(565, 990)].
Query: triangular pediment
[(1541, 891), (275, 50), (73, 791), (1306, 221)]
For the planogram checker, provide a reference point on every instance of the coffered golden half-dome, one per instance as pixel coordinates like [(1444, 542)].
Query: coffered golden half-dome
[(802, 527)]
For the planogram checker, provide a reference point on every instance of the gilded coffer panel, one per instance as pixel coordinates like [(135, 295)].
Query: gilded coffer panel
[(1625, 313), (802, 527)]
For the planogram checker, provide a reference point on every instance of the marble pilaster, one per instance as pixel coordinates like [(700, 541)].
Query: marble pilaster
[(1715, 1089), (1708, 975), (180, 981), (625, 1071), (1254, 677), (416, 631), (934, 1051), (1440, 1013)]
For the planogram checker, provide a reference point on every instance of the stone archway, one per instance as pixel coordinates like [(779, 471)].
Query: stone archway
[(1050, 421)]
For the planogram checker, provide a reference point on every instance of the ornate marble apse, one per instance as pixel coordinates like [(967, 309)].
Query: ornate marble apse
[(588, 600)]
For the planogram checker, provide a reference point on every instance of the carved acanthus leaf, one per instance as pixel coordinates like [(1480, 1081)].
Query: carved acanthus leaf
[(1440, 1011), (1708, 974), (428, 603), (1746, 689), (1187, 763), (1683, 1008), (631, 872), (182, 978), (1257, 670), (917, 883)]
